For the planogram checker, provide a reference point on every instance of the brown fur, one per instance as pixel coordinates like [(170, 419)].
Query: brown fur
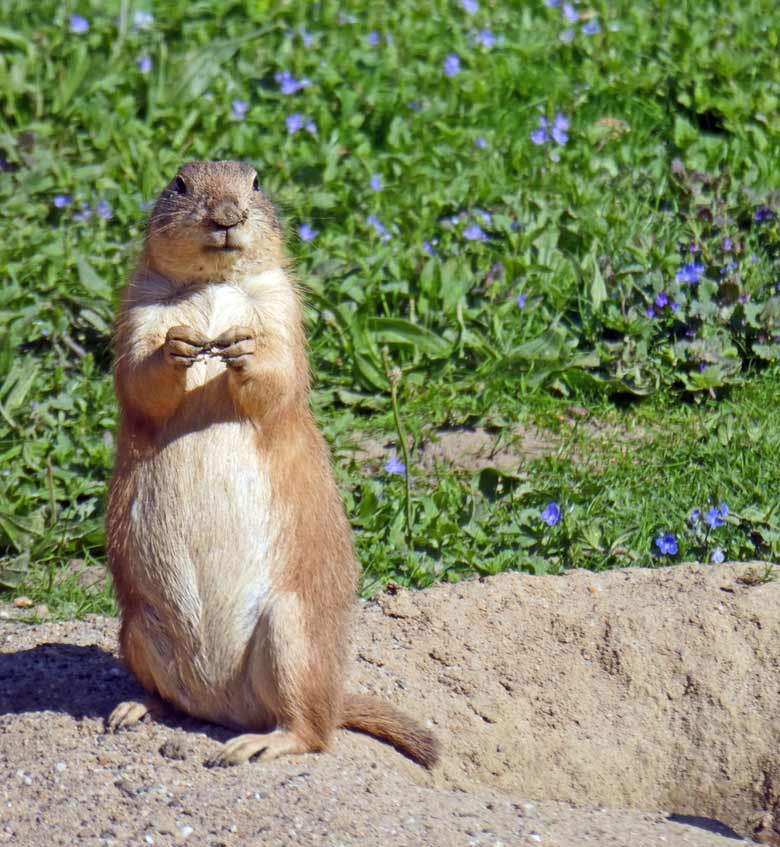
[(231, 553)]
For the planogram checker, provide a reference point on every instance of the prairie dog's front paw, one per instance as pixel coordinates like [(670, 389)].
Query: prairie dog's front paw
[(235, 345), (183, 345)]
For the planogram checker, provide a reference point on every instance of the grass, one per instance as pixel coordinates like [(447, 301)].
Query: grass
[(470, 258)]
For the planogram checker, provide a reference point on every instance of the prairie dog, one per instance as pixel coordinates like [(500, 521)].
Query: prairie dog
[(230, 550)]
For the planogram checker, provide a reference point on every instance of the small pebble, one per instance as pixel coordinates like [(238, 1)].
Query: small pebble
[(60, 766), (186, 831), (42, 611), (23, 602)]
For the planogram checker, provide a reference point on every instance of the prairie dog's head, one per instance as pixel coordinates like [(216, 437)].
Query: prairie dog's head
[(213, 223)]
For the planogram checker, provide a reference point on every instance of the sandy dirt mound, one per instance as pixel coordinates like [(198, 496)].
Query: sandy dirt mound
[(650, 699)]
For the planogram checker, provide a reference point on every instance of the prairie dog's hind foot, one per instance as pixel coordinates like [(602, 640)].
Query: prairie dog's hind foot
[(131, 712), (269, 745)]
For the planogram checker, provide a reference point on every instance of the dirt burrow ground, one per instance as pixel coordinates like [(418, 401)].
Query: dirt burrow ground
[(630, 707)]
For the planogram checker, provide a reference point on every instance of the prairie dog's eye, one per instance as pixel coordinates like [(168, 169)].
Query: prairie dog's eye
[(255, 184), (181, 185)]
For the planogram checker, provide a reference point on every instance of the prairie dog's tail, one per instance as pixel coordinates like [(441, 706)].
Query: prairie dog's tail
[(368, 714)]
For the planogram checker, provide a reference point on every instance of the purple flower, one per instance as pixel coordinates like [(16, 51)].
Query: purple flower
[(62, 200), (567, 36), (715, 515), (375, 182), (294, 122), (717, 557), (143, 20), (539, 136), (485, 38), (559, 129), (451, 65), (551, 514), (85, 212), (373, 39), (486, 216), (666, 544), (474, 233), (763, 213), (240, 108), (395, 466), (78, 25), (310, 127), (307, 232), (569, 13), (288, 84), (650, 312), (470, 6), (103, 210), (306, 37), (521, 299), (551, 4), (661, 300), (481, 142), (675, 307), (144, 63), (693, 247), (727, 245), (690, 273), (591, 27), (379, 227), (428, 247)]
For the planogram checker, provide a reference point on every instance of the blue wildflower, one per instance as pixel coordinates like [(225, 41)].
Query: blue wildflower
[(661, 300), (559, 129), (567, 36), (62, 200), (395, 466), (306, 37), (451, 65), (650, 312), (379, 227), (718, 556), (103, 210), (485, 38), (551, 514), (307, 232), (763, 214), (470, 6), (310, 126), (85, 213), (540, 136), (429, 247), (591, 27), (78, 25), (294, 122), (144, 63), (372, 39), (728, 245), (481, 142), (666, 544), (375, 182), (569, 13), (240, 108), (551, 4), (143, 20), (288, 84), (521, 299), (715, 515), (690, 273), (474, 233)]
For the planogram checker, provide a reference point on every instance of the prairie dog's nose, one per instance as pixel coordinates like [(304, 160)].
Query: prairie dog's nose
[(226, 212)]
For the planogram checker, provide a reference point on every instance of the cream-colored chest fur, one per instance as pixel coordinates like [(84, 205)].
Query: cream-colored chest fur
[(204, 531)]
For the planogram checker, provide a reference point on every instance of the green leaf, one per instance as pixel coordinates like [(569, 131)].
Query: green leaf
[(400, 331), (93, 283)]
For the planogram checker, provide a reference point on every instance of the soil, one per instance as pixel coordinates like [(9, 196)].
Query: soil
[(633, 707)]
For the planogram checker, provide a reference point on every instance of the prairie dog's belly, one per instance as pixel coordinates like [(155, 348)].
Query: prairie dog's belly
[(203, 542)]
